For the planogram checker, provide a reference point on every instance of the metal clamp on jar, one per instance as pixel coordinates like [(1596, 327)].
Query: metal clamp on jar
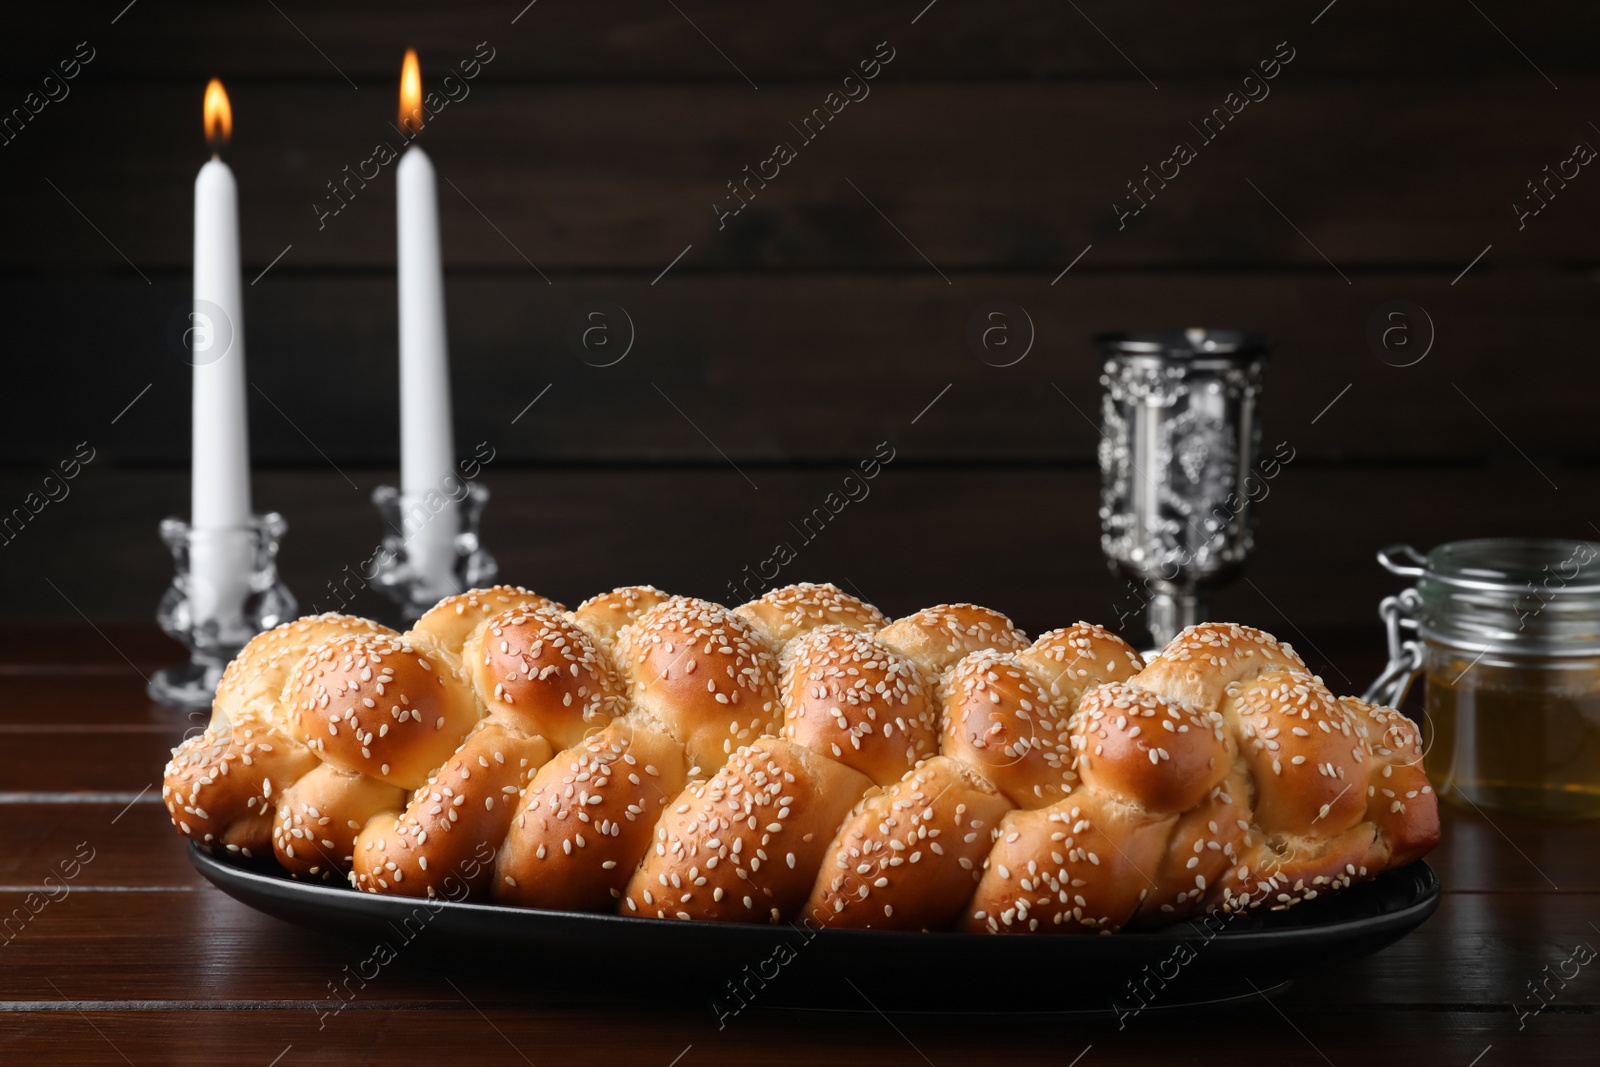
[(1507, 631)]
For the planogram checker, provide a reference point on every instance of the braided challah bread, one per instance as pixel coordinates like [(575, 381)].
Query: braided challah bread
[(799, 757)]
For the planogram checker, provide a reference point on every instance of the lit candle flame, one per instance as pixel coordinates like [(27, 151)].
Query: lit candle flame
[(411, 93), (219, 116)]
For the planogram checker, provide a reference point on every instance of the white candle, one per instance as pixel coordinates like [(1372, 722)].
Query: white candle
[(427, 451), (220, 562)]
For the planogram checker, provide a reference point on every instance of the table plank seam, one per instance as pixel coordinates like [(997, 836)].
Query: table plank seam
[(93, 727), (84, 797), (139, 1006), (76, 888), (135, 1006), (71, 670)]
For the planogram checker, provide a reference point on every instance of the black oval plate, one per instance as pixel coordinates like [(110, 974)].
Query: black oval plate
[(729, 964)]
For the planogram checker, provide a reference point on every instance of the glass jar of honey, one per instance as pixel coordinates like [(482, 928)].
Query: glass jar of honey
[(1506, 633)]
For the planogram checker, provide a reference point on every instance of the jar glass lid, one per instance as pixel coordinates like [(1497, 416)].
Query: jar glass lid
[(1517, 596), (1558, 565)]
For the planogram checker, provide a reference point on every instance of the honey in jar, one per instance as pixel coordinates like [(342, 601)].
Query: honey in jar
[(1508, 641), (1518, 738)]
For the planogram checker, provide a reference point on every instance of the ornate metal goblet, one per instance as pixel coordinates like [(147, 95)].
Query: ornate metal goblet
[(1177, 450)]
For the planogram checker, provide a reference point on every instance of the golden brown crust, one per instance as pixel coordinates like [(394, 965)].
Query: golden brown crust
[(935, 638), (252, 684), (745, 845), (1082, 865), (784, 614), (604, 616), (1277, 873), (705, 673), (849, 697), (1256, 772), (666, 756), (910, 856), (1400, 800), (538, 670), (459, 815), (1208, 840), (1070, 661), (221, 788), (1002, 720), (587, 818), (1307, 761), (319, 816), (1149, 750), (1199, 665), (450, 623), (390, 707)]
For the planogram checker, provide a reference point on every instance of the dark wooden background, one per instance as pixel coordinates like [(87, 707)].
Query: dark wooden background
[(809, 329), (768, 360)]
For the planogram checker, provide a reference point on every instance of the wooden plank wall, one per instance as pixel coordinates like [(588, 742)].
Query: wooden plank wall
[(1384, 157)]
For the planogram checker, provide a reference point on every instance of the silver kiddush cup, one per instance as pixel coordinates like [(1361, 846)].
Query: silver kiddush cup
[(1178, 444)]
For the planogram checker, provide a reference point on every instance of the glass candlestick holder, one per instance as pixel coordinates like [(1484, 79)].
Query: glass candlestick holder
[(225, 591), (406, 517)]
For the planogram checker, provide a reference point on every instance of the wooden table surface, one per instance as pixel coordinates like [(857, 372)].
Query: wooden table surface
[(135, 959)]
